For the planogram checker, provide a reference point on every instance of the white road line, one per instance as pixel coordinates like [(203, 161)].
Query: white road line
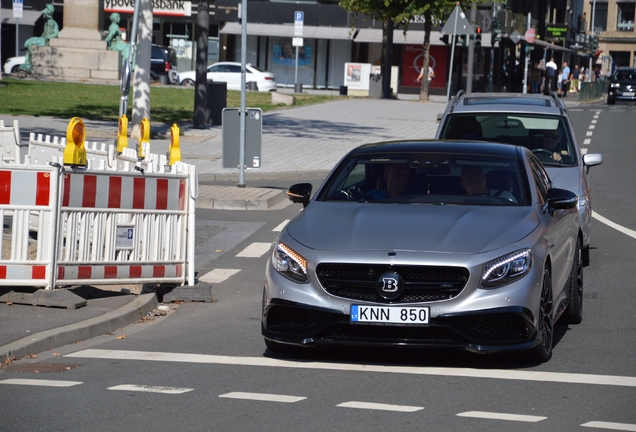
[(583, 151), (254, 250), (40, 382), (587, 141), (588, 133), (501, 416), (592, 127), (280, 227), (610, 425), (151, 389), (263, 397), (598, 112), (616, 226), (596, 116), (594, 121), (218, 275), (381, 407), (520, 375)]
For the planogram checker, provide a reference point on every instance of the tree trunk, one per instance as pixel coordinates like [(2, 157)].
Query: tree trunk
[(426, 50), (388, 61), (141, 74)]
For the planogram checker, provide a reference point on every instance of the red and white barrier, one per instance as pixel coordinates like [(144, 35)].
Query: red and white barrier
[(26, 194), (120, 220)]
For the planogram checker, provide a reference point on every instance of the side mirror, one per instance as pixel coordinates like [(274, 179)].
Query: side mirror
[(562, 199), (299, 193), (592, 159)]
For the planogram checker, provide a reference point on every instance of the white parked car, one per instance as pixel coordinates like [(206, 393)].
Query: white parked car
[(13, 64), (230, 72)]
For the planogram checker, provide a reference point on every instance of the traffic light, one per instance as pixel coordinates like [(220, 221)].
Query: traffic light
[(478, 37), (444, 39)]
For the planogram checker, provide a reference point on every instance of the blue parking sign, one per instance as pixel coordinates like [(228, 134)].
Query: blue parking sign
[(299, 16)]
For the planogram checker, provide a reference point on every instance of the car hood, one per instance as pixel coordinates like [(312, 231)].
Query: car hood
[(412, 227), (567, 178)]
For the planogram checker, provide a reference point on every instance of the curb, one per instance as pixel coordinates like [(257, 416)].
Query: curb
[(84, 330)]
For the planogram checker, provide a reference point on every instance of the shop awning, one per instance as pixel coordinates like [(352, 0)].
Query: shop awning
[(369, 35), (29, 17)]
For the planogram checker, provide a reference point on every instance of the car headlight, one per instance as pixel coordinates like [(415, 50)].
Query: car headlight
[(615, 85), (289, 263), (506, 269)]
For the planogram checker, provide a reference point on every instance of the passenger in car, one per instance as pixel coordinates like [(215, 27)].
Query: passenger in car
[(396, 176), (474, 182)]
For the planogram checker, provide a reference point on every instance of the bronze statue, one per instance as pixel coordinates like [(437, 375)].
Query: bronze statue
[(113, 39), (50, 31)]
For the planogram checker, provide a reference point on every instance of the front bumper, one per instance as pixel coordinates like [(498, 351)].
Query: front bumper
[(492, 330)]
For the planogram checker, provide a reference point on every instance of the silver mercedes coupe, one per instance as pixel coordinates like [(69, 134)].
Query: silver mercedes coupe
[(442, 244)]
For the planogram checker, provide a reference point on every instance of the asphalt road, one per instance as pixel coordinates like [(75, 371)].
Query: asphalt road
[(205, 367)]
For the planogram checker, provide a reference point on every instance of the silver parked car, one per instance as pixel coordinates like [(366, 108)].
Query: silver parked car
[(537, 122), (429, 243)]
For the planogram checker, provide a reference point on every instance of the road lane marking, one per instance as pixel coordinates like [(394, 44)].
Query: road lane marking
[(501, 416), (40, 382), (520, 375), (280, 227), (254, 250), (588, 133), (263, 397), (616, 226), (592, 127), (583, 151), (594, 121), (378, 406), (151, 389), (218, 275), (587, 141), (610, 425)]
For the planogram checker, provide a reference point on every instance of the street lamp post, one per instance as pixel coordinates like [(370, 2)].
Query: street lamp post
[(589, 72)]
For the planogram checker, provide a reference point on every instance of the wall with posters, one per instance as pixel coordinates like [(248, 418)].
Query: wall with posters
[(412, 58)]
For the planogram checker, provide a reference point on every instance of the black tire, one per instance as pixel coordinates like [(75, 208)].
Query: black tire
[(585, 255), (543, 352), (15, 69), (574, 313), (187, 83)]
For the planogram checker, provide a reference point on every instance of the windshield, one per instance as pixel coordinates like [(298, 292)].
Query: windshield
[(625, 75), (428, 178), (546, 136)]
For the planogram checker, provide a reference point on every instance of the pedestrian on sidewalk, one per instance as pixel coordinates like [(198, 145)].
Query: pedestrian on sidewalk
[(576, 73), (565, 80), (550, 76)]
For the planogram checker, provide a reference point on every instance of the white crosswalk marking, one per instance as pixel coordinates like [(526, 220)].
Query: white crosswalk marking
[(378, 406), (40, 382), (150, 389), (501, 416), (263, 397), (254, 250), (505, 374), (610, 425), (218, 275), (280, 227)]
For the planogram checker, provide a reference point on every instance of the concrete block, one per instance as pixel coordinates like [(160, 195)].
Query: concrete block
[(105, 75), (281, 98), (109, 60), (61, 298), (201, 292)]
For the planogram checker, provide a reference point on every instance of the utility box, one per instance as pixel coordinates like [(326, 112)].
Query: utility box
[(216, 102), (232, 140)]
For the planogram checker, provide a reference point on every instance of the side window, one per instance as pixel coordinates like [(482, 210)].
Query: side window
[(214, 68), (541, 179), (234, 69)]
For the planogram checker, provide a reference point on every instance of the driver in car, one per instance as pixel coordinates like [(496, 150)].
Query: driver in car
[(552, 142), (397, 180), (474, 182)]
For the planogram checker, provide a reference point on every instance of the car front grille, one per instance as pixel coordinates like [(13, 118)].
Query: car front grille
[(421, 283)]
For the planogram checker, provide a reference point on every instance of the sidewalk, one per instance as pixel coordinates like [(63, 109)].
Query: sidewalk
[(296, 141)]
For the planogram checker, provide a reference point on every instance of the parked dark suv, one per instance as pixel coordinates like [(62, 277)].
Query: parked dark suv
[(163, 65), (622, 86)]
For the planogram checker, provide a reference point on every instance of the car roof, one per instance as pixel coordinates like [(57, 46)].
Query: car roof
[(437, 146), (505, 102)]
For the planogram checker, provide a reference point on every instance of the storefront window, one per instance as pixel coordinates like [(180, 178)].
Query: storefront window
[(600, 17), (625, 17), (283, 55)]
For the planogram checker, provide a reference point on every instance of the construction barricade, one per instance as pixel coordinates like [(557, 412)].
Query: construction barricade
[(95, 215)]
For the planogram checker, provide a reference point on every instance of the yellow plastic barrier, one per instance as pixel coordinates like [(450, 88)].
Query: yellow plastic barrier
[(174, 153), (75, 152), (143, 148), (122, 134)]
